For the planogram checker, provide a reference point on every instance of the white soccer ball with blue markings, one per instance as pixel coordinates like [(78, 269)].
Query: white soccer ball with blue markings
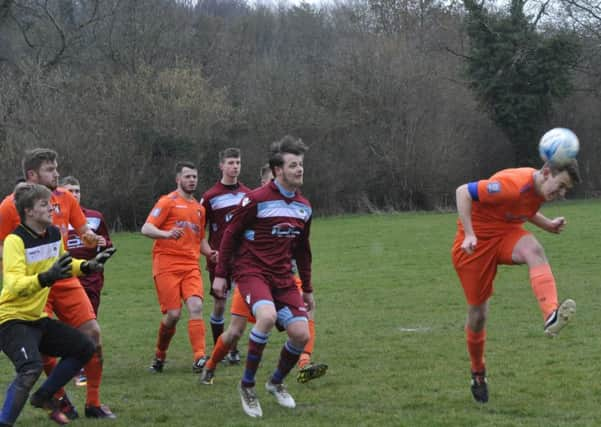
[(558, 146)]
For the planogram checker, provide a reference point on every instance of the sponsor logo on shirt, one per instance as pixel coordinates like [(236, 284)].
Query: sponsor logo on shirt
[(42, 252), (285, 229), (515, 218), (74, 242), (156, 212), (187, 224), (493, 187)]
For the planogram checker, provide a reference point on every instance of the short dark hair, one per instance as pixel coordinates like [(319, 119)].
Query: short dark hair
[(179, 166), (286, 145), (27, 194), (69, 180), (33, 159), (233, 153), (570, 167)]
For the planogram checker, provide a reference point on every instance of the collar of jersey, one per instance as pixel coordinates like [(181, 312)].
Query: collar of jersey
[(283, 191)]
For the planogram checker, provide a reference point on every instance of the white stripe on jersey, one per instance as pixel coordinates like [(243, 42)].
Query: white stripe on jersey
[(42, 252), (226, 200), (279, 208), (93, 223)]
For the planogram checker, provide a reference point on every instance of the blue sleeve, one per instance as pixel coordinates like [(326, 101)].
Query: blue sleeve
[(472, 187)]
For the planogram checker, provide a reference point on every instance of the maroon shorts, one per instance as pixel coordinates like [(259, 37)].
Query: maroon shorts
[(257, 289), (92, 284)]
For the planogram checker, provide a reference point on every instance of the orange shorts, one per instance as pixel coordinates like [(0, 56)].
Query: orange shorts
[(240, 308), (69, 301), (174, 286), (477, 271)]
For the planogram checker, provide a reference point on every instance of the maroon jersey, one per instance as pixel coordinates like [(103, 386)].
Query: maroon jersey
[(266, 231), (77, 249), (219, 201)]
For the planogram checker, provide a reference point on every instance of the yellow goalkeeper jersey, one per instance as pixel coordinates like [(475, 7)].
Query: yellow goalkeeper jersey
[(26, 254)]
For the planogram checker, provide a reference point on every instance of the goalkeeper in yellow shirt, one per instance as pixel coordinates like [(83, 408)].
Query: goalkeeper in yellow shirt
[(34, 258)]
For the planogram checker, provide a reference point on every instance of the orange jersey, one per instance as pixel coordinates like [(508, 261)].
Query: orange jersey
[(504, 201), (172, 210), (66, 211)]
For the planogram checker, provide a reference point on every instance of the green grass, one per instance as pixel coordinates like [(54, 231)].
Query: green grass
[(390, 314)]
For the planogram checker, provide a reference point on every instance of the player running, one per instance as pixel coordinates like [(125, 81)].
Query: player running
[(490, 232), (270, 228), (240, 315)]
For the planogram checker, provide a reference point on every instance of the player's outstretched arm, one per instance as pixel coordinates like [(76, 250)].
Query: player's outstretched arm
[(555, 225)]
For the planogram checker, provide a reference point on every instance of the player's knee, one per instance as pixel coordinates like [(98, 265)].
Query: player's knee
[(194, 307), (266, 318), (171, 318), (235, 333), (299, 333), (476, 320), (29, 374), (92, 330), (536, 252), (85, 349)]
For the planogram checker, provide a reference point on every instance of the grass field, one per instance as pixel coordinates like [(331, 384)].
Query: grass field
[(390, 320)]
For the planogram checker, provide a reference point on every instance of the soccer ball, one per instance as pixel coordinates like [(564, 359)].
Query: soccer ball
[(558, 146)]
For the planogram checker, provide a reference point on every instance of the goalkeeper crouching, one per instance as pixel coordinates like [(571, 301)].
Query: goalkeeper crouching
[(34, 258)]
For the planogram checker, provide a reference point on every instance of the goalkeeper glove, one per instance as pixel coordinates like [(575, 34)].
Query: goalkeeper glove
[(96, 264), (61, 269)]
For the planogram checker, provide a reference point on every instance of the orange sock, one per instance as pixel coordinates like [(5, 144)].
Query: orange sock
[(543, 286), (305, 357), (93, 370), (163, 340), (475, 347), (196, 333), (303, 360), (219, 352), (309, 346), (49, 364)]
